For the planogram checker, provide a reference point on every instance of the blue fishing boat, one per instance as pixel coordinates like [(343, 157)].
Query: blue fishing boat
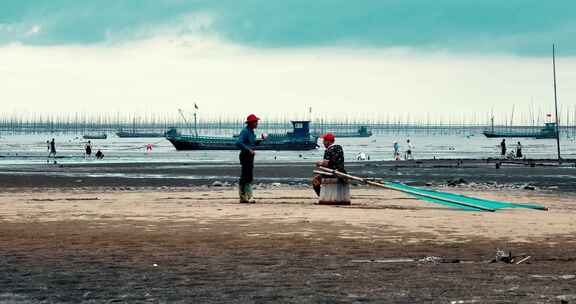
[(549, 131), (299, 139)]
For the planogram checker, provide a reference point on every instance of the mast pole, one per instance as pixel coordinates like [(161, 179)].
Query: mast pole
[(556, 103), (196, 123)]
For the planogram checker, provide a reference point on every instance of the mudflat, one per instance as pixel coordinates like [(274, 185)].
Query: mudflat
[(542, 174), (196, 244)]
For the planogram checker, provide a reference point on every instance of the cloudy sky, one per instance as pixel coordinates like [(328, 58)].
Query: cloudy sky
[(364, 58)]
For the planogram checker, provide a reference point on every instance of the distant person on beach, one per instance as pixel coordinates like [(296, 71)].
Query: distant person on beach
[(519, 150), (333, 159), (396, 151), (503, 147), (409, 150), (52, 149), (48, 146), (247, 143), (99, 155), (149, 148), (88, 150)]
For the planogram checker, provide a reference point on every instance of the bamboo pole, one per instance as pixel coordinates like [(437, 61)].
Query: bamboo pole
[(372, 183)]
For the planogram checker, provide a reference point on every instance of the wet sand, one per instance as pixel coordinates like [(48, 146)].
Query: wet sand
[(195, 244), (544, 175)]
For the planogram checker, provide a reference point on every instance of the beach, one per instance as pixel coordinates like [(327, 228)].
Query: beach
[(287, 152), (102, 233)]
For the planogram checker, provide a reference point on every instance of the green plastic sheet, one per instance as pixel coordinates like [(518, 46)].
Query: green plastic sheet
[(468, 202)]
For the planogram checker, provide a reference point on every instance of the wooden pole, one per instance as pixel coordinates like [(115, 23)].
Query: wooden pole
[(372, 183), (556, 103)]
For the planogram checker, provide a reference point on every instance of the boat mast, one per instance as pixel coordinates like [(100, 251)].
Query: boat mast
[(556, 102), (195, 124), (492, 119), (196, 119), (492, 123), (185, 120)]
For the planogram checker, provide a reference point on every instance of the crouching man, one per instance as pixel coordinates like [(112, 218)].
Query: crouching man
[(333, 159)]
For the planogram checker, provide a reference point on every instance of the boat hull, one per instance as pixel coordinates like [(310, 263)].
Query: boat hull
[(95, 136), (190, 144), (351, 135), (139, 135), (518, 135)]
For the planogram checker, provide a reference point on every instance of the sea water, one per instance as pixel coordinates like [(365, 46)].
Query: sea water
[(29, 149)]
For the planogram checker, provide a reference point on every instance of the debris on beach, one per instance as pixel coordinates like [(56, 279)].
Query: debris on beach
[(507, 258), (454, 183), (423, 260)]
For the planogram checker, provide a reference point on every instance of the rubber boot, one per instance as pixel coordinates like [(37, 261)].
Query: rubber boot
[(248, 191), (242, 193)]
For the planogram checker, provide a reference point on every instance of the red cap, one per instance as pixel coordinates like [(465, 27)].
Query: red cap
[(252, 118), (328, 136)]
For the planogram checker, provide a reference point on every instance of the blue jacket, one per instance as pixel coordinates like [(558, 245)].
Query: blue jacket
[(246, 140)]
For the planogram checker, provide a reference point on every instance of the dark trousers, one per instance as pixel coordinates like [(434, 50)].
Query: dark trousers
[(317, 189), (247, 171)]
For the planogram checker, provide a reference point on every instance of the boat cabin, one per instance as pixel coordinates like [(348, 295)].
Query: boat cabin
[(301, 129), (549, 130)]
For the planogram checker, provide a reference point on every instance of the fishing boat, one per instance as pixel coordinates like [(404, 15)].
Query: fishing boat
[(549, 131), (95, 136), (361, 132), (299, 139), (133, 134)]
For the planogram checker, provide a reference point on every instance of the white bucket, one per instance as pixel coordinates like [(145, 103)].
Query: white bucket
[(334, 191)]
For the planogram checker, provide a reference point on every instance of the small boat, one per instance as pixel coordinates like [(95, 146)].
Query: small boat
[(134, 134), (95, 136), (361, 132), (299, 139), (125, 134), (547, 132)]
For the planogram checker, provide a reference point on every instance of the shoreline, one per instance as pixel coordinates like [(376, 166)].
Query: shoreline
[(543, 175)]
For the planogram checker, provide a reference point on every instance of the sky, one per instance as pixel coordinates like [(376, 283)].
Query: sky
[(365, 58)]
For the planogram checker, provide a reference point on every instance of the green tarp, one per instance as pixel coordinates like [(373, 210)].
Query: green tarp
[(467, 202)]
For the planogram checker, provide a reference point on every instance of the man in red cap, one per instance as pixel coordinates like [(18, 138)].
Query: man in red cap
[(333, 159), (246, 143)]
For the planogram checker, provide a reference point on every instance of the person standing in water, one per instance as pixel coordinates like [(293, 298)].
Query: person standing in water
[(396, 151), (503, 147), (52, 149), (88, 149), (409, 150), (519, 150), (247, 143)]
